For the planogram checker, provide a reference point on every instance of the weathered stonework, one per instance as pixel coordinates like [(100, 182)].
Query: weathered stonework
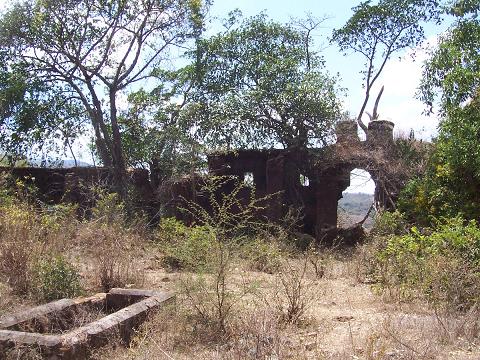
[(128, 308), (285, 173), (74, 185), (309, 180)]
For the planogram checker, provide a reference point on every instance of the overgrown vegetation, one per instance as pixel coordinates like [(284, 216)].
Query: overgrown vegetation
[(228, 236), (37, 243), (57, 278), (438, 264), (245, 288)]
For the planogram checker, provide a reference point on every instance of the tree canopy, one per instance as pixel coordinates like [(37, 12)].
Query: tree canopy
[(33, 115), (259, 84), (452, 184), (94, 51), (377, 31)]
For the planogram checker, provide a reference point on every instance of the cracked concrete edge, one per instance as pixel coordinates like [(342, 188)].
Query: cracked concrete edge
[(51, 308), (75, 343)]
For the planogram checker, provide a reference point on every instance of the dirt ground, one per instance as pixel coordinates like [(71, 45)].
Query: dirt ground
[(346, 319)]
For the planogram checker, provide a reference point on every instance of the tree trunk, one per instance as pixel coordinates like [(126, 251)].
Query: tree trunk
[(119, 168)]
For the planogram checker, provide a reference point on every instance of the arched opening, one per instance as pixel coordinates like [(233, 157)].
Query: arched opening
[(357, 200)]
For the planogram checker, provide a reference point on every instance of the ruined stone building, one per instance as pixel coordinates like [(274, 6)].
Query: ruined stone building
[(313, 179), (308, 180)]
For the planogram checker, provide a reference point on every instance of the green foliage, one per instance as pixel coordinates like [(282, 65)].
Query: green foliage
[(34, 114), (194, 248), (157, 133), (389, 24), (264, 255), (381, 30), (452, 69), (187, 248), (389, 223), (439, 264), (56, 278), (109, 208), (92, 51), (211, 248), (451, 184), (258, 83)]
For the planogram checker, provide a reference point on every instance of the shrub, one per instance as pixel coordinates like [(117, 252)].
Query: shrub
[(188, 248), (294, 294), (27, 234), (114, 254), (215, 245), (115, 244), (108, 207), (19, 245), (389, 223), (440, 264), (56, 278), (263, 254), (212, 293)]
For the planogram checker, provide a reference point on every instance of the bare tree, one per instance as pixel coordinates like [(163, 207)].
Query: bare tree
[(379, 31), (308, 25)]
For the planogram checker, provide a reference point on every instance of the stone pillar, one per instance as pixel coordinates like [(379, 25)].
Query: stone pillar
[(326, 200), (346, 131), (380, 132), (275, 184)]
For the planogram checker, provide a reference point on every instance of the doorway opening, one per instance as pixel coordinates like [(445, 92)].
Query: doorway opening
[(357, 201)]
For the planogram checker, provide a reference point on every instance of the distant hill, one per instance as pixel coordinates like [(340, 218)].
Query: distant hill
[(58, 163), (71, 163), (353, 207)]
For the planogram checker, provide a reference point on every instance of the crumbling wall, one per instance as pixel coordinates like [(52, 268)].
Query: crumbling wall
[(309, 181), (74, 185), (327, 169)]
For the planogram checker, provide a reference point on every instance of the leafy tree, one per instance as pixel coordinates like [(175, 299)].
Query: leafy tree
[(379, 31), (260, 84), (158, 135), (452, 71), (34, 115), (452, 184), (95, 51)]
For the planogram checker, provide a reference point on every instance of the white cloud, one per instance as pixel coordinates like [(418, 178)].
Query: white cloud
[(399, 104)]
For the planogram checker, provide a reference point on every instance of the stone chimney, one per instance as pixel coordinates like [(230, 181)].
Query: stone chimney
[(380, 132), (346, 131)]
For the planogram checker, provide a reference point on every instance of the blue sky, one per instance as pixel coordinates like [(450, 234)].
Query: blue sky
[(401, 76)]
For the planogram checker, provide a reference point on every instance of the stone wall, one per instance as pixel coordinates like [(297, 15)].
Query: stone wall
[(74, 185), (308, 180), (312, 180)]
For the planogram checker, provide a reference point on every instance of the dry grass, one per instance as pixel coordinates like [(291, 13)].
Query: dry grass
[(295, 291), (27, 236), (315, 306), (105, 248), (345, 320), (113, 251)]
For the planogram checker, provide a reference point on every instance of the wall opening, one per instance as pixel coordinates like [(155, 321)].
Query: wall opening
[(248, 179), (357, 200), (304, 181)]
